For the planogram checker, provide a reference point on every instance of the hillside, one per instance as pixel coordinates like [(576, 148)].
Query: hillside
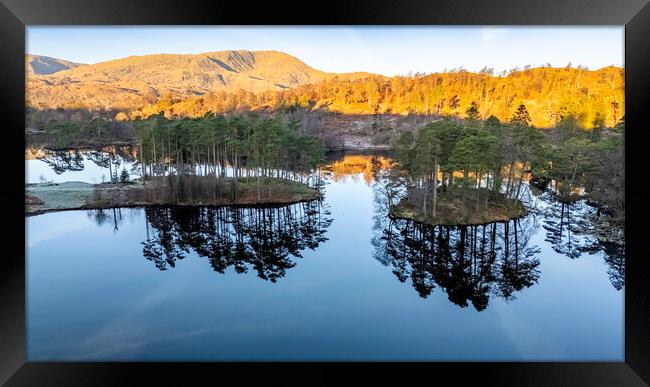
[(588, 98), (44, 65), (132, 82), (227, 81)]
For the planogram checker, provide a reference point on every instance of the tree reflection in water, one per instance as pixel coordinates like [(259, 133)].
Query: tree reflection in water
[(263, 239), (615, 259), (109, 216), (72, 160), (63, 160), (469, 263), (577, 228)]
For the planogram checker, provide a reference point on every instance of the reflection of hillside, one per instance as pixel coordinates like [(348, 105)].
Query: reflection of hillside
[(355, 165), (124, 151)]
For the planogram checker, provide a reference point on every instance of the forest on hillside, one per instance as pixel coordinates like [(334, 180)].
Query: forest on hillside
[(591, 98)]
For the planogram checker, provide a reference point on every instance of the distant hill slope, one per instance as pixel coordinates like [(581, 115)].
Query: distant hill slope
[(134, 81), (225, 81), (589, 97), (586, 97), (44, 65)]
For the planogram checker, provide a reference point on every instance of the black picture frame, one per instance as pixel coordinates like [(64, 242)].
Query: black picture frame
[(16, 14)]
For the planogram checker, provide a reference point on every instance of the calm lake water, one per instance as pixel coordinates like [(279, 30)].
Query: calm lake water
[(330, 280)]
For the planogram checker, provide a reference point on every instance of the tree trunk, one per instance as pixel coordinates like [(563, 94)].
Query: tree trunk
[(521, 179), (424, 199), (435, 186), (573, 176), (141, 164), (511, 173)]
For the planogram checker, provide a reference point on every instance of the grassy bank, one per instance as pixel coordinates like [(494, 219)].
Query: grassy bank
[(458, 211), (191, 191)]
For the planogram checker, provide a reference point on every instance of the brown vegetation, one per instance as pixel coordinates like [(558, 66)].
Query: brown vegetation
[(271, 81), (593, 98), (353, 165), (132, 82), (44, 65), (453, 210)]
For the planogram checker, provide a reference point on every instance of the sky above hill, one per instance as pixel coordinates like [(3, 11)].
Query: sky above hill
[(384, 50)]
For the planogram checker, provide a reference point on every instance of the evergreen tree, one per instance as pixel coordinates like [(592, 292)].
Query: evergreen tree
[(124, 176), (472, 112), (521, 116)]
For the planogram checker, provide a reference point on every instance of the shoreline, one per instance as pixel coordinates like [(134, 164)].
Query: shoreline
[(523, 214), (148, 205), (494, 214), (41, 198), (362, 143)]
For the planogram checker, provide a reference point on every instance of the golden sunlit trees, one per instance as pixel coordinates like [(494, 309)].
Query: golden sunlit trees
[(548, 93)]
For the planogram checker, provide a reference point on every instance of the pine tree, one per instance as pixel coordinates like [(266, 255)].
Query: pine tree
[(521, 116), (124, 176), (472, 112)]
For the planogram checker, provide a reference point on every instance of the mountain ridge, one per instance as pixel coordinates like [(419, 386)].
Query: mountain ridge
[(45, 65), (240, 80), (137, 80)]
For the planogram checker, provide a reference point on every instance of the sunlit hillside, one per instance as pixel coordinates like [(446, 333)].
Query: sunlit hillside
[(228, 81), (592, 97), (44, 65), (355, 165), (548, 93), (132, 82)]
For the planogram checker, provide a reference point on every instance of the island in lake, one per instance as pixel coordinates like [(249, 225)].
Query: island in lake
[(208, 161)]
